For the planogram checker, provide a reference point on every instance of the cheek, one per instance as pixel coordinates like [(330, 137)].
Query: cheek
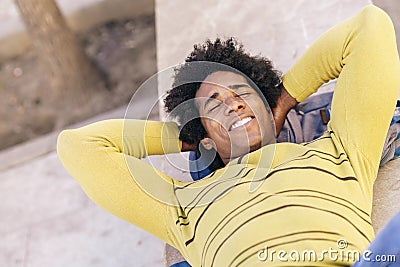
[(215, 130), (260, 111)]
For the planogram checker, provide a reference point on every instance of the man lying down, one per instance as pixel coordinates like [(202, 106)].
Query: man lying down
[(263, 196)]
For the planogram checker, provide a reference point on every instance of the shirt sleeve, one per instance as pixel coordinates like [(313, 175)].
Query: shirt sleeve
[(362, 53), (105, 159)]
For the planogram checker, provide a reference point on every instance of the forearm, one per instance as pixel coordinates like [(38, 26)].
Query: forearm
[(104, 159), (139, 138), (362, 53), (284, 104), (320, 63)]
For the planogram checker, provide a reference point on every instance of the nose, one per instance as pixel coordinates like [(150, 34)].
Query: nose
[(234, 104)]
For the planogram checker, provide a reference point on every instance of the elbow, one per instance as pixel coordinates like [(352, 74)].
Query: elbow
[(62, 144), (80, 150), (68, 147), (63, 140)]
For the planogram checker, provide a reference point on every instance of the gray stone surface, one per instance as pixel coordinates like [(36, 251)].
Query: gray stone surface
[(392, 7), (386, 194), (280, 30), (46, 220), (29, 151)]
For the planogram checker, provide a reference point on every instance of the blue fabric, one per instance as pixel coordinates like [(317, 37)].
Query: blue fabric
[(309, 114), (396, 120), (384, 250), (181, 264), (198, 169), (391, 150)]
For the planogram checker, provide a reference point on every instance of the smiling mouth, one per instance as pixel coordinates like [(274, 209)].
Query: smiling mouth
[(241, 123)]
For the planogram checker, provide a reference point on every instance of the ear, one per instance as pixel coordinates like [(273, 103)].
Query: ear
[(208, 143)]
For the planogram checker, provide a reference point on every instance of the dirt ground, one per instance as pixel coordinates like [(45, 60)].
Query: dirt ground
[(125, 52)]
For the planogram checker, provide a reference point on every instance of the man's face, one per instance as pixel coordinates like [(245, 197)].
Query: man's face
[(234, 115)]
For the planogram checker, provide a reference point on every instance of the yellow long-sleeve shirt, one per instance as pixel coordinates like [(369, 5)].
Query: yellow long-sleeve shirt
[(307, 196)]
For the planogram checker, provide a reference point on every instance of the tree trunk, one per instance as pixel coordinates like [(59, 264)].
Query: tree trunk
[(73, 77)]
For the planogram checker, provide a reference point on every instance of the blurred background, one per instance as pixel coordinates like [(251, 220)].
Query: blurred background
[(66, 63)]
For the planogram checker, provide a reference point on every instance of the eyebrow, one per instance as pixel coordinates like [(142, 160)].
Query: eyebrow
[(232, 87), (237, 86)]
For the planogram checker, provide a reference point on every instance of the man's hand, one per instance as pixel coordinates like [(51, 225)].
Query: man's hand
[(188, 147), (284, 104)]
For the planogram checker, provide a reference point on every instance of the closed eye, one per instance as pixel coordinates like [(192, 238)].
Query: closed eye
[(242, 94), (216, 106)]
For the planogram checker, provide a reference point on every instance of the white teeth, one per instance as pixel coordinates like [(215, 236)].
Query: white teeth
[(241, 122)]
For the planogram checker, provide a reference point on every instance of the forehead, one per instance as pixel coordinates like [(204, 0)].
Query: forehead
[(219, 80)]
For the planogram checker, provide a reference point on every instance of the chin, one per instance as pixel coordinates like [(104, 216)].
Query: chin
[(245, 150), (255, 143), (255, 147)]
